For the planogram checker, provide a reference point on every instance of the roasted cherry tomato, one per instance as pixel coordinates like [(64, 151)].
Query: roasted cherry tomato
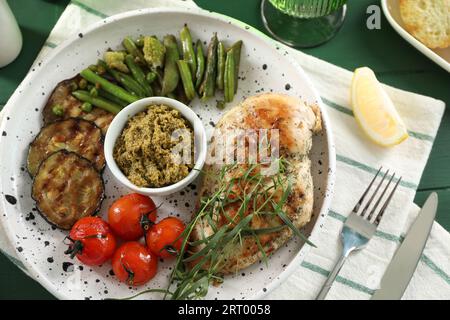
[(131, 215), (92, 241), (134, 264), (164, 238)]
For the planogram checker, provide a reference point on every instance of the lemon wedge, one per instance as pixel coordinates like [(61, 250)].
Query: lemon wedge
[(374, 110)]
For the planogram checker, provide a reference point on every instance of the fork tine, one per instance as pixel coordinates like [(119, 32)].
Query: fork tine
[(377, 219), (379, 200), (358, 205), (363, 213)]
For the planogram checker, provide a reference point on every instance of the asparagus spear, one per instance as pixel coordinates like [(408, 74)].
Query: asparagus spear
[(207, 88), (98, 102), (112, 98), (200, 65), (138, 75), (119, 92), (186, 78), (171, 75), (131, 85), (221, 55), (237, 59), (188, 50), (132, 49), (229, 76)]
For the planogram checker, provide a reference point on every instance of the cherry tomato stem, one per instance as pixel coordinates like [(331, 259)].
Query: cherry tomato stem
[(131, 215), (165, 237), (91, 241)]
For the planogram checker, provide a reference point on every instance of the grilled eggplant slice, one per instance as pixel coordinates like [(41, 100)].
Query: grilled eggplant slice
[(71, 107), (66, 188), (76, 135)]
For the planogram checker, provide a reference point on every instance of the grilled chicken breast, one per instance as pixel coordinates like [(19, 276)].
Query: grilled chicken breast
[(296, 123)]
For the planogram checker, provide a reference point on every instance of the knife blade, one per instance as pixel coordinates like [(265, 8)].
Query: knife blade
[(402, 267)]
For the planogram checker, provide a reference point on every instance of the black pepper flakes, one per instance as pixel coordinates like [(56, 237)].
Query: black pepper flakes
[(11, 199)]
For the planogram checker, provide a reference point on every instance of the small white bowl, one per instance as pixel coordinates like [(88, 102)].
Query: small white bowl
[(119, 122)]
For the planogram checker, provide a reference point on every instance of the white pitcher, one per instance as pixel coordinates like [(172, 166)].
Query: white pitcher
[(10, 36)]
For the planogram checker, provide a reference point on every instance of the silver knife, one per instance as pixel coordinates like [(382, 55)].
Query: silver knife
[(401, 269)]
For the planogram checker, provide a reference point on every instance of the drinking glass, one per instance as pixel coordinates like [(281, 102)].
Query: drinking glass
[(303, 23), (10, 36)]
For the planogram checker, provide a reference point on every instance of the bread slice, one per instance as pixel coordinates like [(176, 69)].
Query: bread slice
[(428, 21)]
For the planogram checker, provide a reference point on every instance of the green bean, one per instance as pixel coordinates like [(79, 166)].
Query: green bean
[(86, 107), (229, 78), (200, 64), (207, 88), (186, 78), (221, 55), (129, 83), (237, 59), (188, 50), (98, 102), (138, 75), (119, 92), (112, 98), (171, 75), (58, 110), (132, 49)]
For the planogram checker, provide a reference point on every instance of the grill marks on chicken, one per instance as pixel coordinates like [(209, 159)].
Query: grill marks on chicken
[(296, 123)]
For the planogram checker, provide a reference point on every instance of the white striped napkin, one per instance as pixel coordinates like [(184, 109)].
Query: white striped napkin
[(357, 161)]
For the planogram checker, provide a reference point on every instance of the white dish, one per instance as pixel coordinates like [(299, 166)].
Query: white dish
[(391, 10), (264, 67), (117, 125)]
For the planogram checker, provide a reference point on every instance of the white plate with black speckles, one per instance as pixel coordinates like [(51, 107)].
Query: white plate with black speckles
[(265, 67)]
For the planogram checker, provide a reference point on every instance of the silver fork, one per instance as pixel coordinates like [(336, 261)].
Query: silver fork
[(360, 226)]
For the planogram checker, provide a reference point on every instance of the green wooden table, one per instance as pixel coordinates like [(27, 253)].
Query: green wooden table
[(394, 61)]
